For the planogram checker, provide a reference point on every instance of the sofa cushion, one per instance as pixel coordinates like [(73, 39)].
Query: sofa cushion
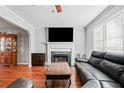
[(95, 61), (95, 72), (116, 58), (112, 69), (98, 54), (85, 75), (122, 80), (106, 84), (92, 84)]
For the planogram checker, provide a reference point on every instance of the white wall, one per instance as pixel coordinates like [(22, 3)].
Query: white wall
[(40, 35), (111, 10), (79, 40)]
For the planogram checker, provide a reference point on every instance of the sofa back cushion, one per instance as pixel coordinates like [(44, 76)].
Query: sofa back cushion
[(95, 61), (115, 58), (112, 69), (96, 58), (98, 54), (122, 80)]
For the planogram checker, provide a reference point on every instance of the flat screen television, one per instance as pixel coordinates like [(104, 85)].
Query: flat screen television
[(60, 34)]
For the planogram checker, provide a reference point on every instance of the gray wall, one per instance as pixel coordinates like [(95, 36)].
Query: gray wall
[(23, 48)]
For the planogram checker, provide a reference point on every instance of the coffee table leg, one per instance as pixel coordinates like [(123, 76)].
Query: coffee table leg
[(46, 83), (69, 83)]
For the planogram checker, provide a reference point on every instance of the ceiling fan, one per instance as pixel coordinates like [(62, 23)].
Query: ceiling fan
[(58, 8)]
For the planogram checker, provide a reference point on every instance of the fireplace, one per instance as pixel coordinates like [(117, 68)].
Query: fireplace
[(61, 57), (60, 51)]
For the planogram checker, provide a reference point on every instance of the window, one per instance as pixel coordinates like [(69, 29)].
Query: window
[(114, 35), (108, 37), (98, 38)]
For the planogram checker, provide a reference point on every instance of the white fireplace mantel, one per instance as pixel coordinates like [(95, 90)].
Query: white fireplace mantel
[(60, 47)]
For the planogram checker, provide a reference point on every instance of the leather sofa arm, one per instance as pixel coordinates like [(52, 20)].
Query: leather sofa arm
[(92, 84), (81, 60), (21, 83)]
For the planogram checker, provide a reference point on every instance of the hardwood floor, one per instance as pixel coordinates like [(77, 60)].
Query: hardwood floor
[(36, 73)]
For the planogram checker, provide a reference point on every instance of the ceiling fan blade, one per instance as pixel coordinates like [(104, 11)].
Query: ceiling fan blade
[(58, 8)]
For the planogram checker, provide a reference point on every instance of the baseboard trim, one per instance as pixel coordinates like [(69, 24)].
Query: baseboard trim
[(22, 63)]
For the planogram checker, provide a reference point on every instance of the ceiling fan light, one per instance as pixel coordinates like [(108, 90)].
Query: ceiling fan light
[(58, 8)]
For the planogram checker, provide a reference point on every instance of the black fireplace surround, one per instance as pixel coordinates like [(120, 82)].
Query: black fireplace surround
[(102, 70)]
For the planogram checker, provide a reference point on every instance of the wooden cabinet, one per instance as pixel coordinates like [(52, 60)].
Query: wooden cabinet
[(38, 59), (8, 51), (14, 58), (5, 58)]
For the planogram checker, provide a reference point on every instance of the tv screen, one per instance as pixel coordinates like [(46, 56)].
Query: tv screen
[(60, 34)]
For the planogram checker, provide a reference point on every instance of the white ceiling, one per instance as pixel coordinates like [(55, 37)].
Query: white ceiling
[(71, 15)]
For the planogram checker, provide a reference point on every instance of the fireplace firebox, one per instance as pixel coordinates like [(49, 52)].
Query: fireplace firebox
[(61, 57)]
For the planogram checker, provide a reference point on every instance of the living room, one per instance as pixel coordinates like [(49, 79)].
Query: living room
[(41, 50)]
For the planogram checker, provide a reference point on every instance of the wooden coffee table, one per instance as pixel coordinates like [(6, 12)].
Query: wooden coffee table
[(58, 71)]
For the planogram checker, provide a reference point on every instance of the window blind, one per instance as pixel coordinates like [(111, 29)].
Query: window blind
[(108, 36)]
